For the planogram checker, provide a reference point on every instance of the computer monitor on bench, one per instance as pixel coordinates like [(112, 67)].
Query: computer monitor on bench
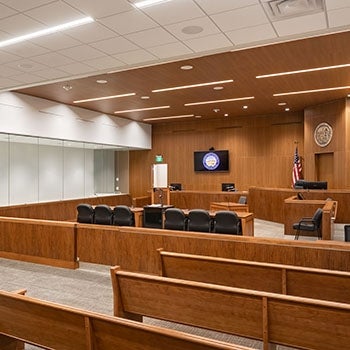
[(228, 187)]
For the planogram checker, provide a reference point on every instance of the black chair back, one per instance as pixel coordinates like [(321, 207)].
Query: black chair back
[(199, 220), (123, 216), (103, 214), (227, 222), (175, 219), (86, 213)]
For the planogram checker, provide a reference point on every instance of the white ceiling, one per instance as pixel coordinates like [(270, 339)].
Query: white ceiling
[(123, 37)]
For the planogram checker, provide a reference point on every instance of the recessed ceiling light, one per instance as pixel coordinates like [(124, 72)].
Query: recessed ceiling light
[(193, 85), (104, 98), (226, 115), (218, 88), (282, 103), (303, 71), (46, 31), (25, 65), (170, 117), (287, 109), (67, 87), (141, 109), (245, 107), (145, 97), (216, 110), (198, 116), (147, 3), (101, 81), (219, 101), (310, 91), (192, 30), (186, 67)]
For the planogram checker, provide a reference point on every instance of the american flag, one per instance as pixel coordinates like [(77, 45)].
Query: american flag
[(297, 169)]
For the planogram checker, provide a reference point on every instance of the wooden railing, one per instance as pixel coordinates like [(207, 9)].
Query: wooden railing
[(59, 327)]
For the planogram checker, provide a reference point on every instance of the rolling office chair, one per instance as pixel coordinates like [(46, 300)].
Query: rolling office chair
[(175, 219), (123, 216), (86, 213), (103, 214), (199, 220), (227, 222), (312, 224)]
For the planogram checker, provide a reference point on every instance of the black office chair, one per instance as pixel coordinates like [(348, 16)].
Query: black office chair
[(86, 213), (310, 224), (123, 216), (199, 220), (175, 219), (227, 222), (242, 200), (103, 215), (347, 233)]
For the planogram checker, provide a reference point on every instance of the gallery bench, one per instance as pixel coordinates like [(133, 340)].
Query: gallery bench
[(274, 278), (273, 318), (59, 327)]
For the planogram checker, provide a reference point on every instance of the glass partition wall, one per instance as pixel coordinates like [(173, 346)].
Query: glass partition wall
[(36, 169)]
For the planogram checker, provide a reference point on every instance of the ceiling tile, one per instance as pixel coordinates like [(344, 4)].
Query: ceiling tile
[(21, 5), (151, 37), (340, 17), (336, 4), (240, 18), (105, 62), (134, 57), (77, 68), (50, 73), (6, 11), (170, 50), (174, 11), (6, 83), (8, 71), (100, 8), (7, 57), (53, 59), (210, 6), (26, 49), (128, 22), (55, 13), (208, 43), (252, 34), (82, 52), (27, 78), (26, 65), (90, 33), (56, 41), (301, 24), (20, 25), (204, 23), (115, 45)]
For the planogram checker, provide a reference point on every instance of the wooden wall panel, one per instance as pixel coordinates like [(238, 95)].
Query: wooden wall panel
[(261, 152)]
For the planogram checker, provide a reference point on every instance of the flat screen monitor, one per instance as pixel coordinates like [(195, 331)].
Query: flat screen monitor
[(311, 185), (228, 187), (175, 187), (211, 161)]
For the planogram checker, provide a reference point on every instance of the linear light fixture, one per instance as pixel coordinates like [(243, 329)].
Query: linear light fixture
[(303, 71), (193, 85), (219, 101), (310, 91), (47, 31), (170, 117), (147, 3), (104, 98), (141, 109)]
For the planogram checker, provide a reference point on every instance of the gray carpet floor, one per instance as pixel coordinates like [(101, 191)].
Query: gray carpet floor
[(89, 287)]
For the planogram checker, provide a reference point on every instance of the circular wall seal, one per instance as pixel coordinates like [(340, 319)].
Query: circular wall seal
[(323, 134), (211, 161)]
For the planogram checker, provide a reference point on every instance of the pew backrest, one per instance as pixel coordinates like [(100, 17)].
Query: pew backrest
[(55, 326), (300, 281), (273, 318)]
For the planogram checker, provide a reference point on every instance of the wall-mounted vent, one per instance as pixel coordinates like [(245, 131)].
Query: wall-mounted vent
[(279, 9)]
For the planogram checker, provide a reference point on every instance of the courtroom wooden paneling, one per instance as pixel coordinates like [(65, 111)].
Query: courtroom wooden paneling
[(135, 248), (65, 210), (261, 151), (39, 241)]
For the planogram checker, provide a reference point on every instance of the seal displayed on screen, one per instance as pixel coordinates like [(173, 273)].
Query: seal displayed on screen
[(211, 161)]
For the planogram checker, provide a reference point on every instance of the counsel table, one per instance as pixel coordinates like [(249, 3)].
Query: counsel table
[(228, 206)]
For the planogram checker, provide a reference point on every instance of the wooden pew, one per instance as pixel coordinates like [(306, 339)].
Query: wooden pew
[(274, 278), (273, 318), (54, 326)]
